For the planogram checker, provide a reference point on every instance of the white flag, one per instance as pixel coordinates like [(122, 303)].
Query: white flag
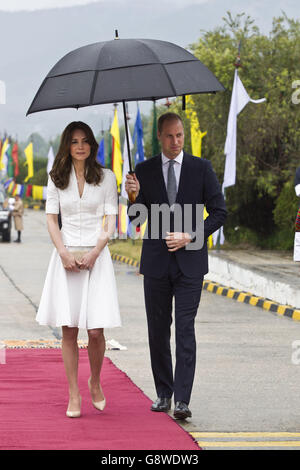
[(50, 159), (125, 164), (239, 99)]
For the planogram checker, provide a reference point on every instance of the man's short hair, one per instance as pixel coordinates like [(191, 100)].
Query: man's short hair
[(167, 117)]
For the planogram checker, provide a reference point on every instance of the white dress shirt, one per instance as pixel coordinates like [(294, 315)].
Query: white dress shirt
[(177, 167), (82, 217)]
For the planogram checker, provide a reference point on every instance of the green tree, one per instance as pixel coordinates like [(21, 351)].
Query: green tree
[(268, 134)]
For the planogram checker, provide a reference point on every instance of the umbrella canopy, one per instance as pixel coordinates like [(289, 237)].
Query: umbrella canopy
[(123, 70)]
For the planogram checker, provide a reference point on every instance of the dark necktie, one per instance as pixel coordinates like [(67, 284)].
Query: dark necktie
[(171, 185)]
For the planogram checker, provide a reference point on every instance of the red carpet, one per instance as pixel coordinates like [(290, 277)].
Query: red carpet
[(33, 402)]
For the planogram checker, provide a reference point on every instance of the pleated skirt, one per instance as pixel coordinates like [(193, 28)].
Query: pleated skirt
[(87, 299)]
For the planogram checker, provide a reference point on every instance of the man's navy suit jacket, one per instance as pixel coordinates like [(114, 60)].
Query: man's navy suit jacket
[(198, 184)]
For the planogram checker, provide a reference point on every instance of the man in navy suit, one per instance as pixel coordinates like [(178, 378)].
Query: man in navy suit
[(172, 262)]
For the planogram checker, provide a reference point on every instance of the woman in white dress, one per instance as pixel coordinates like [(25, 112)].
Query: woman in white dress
[(80, 288)]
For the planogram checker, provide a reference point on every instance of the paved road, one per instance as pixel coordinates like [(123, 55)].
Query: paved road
[(246, 385)]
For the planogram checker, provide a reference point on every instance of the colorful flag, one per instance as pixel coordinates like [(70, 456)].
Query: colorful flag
[(15, 158), (116, 153), (22, 190), (7, 183), (138, 137), (101, 152), (28, 190), (155, 143), (29, 161), (17, 190), (13, 188), (10, 162), (50, 159), (3, 156)]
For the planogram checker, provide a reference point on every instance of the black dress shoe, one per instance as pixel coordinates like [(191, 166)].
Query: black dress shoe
[(181, 410), (161, 404)]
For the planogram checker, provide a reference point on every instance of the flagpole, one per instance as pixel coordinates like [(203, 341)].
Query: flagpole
[(127, 136)]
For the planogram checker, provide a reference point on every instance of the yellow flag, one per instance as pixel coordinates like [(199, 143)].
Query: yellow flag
[(10, 187), (123, 218), (117, 154), (37, 192), (3, 150), (29, 161), (196, 143), (196, 134)]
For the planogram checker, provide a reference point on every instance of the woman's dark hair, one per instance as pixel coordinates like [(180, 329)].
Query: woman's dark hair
[(61, 169)]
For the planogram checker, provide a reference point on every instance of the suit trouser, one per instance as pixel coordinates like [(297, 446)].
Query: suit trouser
[(159, 295)]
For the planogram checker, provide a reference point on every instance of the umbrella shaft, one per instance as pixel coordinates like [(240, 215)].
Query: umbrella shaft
[(127, 136)]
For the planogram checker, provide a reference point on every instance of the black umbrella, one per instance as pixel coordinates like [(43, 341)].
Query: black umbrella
[(123, 70)]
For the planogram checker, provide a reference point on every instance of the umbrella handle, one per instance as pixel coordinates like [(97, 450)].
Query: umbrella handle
[(131, 194)]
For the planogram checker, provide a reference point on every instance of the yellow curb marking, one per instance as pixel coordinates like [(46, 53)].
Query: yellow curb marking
[(204, 444), (281, 309), (267, 304), (231, 293), (245, 434), (253, 300), (241, 297), (296, 315)]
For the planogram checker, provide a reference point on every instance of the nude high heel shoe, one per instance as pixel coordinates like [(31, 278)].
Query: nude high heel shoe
[(74, 414), (99, 405)]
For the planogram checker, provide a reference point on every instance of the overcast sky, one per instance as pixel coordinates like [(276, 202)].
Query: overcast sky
[(29, 53), (15, 5)]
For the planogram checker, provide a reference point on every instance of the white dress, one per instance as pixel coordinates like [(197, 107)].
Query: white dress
[(87, 299)]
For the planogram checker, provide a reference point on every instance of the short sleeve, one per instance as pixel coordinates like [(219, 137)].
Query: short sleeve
[(111, 195), (52, 201)]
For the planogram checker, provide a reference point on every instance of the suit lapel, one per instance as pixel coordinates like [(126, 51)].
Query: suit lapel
[(160, 183)]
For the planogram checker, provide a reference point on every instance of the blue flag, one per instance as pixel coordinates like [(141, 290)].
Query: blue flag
[(138, 135), (101, 153)]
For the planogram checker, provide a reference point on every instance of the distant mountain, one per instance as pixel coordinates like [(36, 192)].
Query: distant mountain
[(32, 42)]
